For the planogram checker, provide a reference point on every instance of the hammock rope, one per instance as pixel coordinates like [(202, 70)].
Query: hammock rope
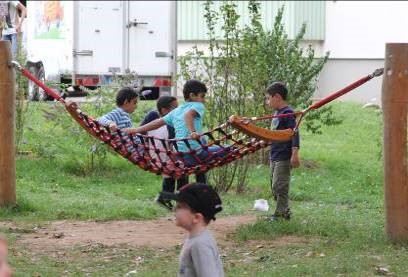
[(224, 144)]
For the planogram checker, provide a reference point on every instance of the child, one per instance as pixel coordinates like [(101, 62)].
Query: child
[(283, 155), (165, 104), (119, 118), (12, 23), (187, 122), (5, 270), (3, 15), (196, 206)]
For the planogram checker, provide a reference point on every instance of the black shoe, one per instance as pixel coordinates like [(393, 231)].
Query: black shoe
[(279, 216), (164, 203), (274, 218)]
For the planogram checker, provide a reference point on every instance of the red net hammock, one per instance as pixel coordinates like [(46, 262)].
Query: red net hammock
[(224, 144)]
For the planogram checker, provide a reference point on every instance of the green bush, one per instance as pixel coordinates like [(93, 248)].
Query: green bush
[(241, 64)]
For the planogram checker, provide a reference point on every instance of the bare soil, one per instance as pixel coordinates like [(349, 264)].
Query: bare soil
[(160, 233)]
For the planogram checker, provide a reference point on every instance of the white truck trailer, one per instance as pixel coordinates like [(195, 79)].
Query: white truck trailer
[(86, 43)]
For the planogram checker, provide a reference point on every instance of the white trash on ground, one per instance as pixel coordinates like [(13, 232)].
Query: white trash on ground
[(261, 205)]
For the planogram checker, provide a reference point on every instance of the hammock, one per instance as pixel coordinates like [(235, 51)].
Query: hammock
[(232, 140)]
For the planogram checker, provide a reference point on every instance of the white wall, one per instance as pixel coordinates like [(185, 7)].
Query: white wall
[(360, 29), (356, 34), (338, 73)]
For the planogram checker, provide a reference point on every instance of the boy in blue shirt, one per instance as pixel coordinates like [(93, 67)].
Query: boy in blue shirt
[(283, 155), (119, 118), (187, 121)]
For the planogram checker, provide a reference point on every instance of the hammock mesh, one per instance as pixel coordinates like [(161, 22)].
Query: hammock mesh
[(161, 156)]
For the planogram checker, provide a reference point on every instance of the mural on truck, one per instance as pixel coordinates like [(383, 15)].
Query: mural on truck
[(49, 20)]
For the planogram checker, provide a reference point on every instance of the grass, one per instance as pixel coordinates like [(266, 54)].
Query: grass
[(337, 204)]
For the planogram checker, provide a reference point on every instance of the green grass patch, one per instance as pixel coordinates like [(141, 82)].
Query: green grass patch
[(336, 200)]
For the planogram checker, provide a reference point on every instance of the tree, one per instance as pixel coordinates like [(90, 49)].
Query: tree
[(242, 61)]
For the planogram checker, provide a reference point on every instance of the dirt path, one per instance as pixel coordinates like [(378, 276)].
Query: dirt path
[(160, 233)]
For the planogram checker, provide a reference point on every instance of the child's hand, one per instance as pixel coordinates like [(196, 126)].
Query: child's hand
[(131, 131), (295, 160), (70, 104), (113, 127), (195, 136), (246, 120)]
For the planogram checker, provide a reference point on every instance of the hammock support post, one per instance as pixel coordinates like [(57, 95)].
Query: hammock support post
[(395, 116), (7, 146)]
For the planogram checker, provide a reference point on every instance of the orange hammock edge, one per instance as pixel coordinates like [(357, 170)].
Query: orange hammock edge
[(252, 130)]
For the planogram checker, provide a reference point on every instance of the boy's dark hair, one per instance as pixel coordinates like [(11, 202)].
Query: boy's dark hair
[(125, 93), (278, 88), (165, 102), (193, 86)]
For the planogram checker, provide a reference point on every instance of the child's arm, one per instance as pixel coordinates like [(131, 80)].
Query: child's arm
[(295, 160), (189, 120), (290, 122), (145, 128), (108, 120)]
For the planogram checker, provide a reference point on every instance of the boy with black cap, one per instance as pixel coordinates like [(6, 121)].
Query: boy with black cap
[(197, 205)]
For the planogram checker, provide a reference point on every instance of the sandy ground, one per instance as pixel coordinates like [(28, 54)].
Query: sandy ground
[(160, 233)]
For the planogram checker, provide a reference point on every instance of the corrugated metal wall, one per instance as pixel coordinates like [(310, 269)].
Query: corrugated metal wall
[(192, 25)]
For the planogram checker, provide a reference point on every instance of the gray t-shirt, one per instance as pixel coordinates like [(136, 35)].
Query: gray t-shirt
[(199, 257)]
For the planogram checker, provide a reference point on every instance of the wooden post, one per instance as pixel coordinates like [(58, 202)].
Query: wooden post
[(395, 115), (7, 148)]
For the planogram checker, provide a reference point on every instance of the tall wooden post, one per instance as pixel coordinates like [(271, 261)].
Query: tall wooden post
[(7, 148), (395, 115)]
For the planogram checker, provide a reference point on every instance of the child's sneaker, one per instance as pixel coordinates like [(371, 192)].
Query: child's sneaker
[(164, 203)]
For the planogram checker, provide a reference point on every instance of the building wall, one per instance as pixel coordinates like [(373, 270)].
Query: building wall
[(355, 34), (191, 23), (360, 29), (339, 73)]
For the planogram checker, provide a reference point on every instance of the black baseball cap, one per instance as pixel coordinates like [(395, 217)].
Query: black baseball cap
[(200, 197)]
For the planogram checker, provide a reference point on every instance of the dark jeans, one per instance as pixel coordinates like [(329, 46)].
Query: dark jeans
[(200, 178), (189, 161), (169, 184)]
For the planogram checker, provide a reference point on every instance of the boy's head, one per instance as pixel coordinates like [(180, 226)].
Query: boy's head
[(126, 98), (276, 95), (194, 91), (197, 203), (166, 104)]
